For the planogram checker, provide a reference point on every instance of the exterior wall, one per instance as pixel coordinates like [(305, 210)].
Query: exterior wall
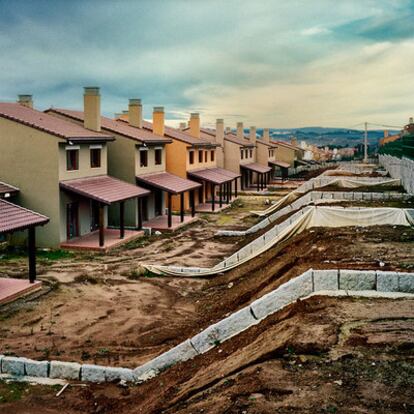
[(263, 154), (85, 169), (285, 154), (29, 160), (200, 165), (152, 167)]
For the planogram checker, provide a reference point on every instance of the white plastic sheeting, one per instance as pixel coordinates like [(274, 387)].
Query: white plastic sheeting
[(323, 181), (298, 222)]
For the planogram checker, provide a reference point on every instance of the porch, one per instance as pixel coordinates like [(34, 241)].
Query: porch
[(86, 228), (12, 289), (172, 185), (262, 173), (91, 240), (215, 193)]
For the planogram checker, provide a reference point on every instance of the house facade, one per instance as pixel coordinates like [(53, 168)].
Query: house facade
[(61, 170)]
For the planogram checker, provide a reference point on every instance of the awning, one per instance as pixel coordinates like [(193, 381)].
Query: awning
[(16, 218), (104, 189), (228, 173), (302, 162), (168, 182), (213, 175), (6, 190), (255, 167), (280, 164)]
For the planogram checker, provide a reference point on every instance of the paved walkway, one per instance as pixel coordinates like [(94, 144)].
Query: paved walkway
[(12, 289)]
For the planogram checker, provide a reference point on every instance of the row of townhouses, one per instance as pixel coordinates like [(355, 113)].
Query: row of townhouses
[(99, 181)]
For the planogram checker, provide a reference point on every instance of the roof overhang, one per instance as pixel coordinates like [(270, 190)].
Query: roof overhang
[(167, 182), (216, 176), (255, 167)]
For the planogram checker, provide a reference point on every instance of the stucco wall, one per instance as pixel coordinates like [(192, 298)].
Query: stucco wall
[(29, 160), (285, 154)]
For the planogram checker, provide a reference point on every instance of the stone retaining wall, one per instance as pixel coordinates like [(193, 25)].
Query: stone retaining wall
[(332, 282), (402, 168)]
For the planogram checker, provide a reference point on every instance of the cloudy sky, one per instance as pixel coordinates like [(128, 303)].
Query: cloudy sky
[(273, 63)]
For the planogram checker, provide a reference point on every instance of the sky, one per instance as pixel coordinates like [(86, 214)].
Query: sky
[(268, 63)]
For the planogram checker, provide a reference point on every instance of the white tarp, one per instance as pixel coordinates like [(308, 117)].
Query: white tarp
[(323, 182), (300, 221)]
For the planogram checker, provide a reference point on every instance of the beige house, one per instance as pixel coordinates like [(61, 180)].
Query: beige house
[(61, 170), (138, 156), (239, 154)]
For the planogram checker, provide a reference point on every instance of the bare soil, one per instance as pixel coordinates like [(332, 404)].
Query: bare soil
[(323, 355), (109, 315)]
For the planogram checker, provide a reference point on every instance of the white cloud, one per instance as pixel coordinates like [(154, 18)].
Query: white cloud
[(316, 30)]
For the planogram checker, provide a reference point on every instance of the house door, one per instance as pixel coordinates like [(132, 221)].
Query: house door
[(72, 220), (158, 202), (94, 215)]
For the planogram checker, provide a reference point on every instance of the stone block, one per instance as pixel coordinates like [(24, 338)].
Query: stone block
[(13, 365), (65, 370), (119, 374), (325, 280), (223, 330), (387, 281), (298, 287), (37, 368), (357, 279), (181, 352), (93, 373), (406, 282)]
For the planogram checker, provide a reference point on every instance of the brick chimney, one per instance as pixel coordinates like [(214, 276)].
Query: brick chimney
[(220, 131), (25, 100), (158, 119), (252, 134), (183, 125), (135, 112), (92, 108), (266, 135), (294, 141), (386, 133), (194, 125), (240, 130), (228, 130)]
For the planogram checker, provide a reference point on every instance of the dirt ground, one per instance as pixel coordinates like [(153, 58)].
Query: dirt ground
[(323, 355), (118, 318)]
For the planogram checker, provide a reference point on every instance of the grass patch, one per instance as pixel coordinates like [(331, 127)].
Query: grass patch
[(15, 253), (12, 391)]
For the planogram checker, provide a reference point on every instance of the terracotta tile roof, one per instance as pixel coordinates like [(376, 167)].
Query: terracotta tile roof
[(280, 164), (228, 173), (213, 175), (182, 136), (118, 126), (242, 142), (7, 189), (103, 188), (168, 182), (288, 145), (254, 166), (14, 218), (50, 124), (269, 144)]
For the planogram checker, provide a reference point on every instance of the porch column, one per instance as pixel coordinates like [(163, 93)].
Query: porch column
[(32, 253), (140, 212), (228, 185), (101, 225), (221, 195), (258, 181), (213, 200), (192, 202), (204, 192), (122, 219), (169, 210), (182, 207), (235, 187), (241, 180)]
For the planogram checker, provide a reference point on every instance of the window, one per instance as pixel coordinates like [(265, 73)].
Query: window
[(200, 155), (251, 153), (246, 155), (72, 159), (206, 156), (95, 157), (241, 154), (143, 158), (212, 155), (191, 157), (158, 156)]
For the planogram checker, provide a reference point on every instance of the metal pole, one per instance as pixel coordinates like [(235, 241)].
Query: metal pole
[(366, 143), (32, 254)]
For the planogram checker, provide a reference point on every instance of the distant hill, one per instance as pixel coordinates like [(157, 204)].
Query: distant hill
[(326, 136)]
